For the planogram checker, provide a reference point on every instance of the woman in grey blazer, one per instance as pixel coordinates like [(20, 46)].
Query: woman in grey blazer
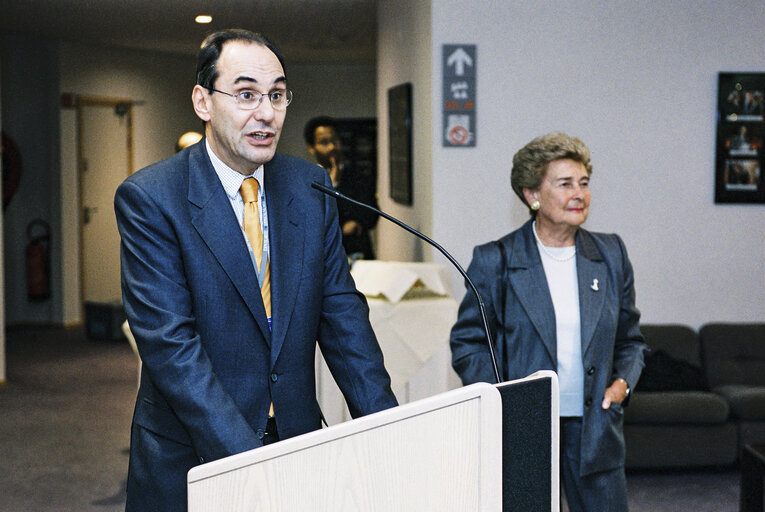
[(560, 298)]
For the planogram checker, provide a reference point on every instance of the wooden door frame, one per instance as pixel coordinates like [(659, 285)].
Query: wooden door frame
[(97, 101)]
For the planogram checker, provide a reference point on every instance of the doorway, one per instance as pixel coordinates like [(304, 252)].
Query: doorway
[(105, 159)]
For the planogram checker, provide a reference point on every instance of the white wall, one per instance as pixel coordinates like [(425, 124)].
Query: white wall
[(404, 55), (342, 91), (637, 81)]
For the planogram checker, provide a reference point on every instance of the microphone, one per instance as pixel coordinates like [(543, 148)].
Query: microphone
[(337, 195)]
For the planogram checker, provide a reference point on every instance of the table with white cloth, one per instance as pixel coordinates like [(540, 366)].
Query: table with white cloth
[(412, 314)]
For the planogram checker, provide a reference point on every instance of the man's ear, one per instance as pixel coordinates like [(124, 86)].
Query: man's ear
[(200, 98), (311, 149)]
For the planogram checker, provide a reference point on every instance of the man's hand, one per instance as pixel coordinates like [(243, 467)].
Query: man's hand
[(616, 392), (351, 227), (334, 170)]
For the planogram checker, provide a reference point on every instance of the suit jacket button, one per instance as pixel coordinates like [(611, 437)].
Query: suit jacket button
[(588, 402), (201, 460), (274, 377), (260, 434), (591, 370)]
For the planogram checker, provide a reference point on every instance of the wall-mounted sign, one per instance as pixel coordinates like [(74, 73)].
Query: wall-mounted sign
[(459, 102)]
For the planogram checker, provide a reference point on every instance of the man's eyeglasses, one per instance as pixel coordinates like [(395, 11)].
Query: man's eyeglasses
[(250, 100)]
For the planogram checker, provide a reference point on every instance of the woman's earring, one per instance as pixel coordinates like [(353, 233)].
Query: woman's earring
[(535, 204)]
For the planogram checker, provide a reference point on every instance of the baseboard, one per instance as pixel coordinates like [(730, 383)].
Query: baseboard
[(46, 325)]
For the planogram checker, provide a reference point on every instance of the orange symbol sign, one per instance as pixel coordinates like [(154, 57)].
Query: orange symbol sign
[(458, 135)]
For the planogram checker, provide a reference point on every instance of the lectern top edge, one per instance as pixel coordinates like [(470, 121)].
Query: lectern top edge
[(483, 391)]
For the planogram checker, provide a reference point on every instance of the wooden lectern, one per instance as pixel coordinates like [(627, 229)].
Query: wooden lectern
[(480, 447)]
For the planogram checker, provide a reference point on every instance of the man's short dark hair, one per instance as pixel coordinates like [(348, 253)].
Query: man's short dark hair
[(309, 132), (209, 53)]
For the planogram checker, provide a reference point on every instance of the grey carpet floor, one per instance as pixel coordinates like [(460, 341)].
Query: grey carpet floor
[(701, 490), (65, 427), (65, 421)]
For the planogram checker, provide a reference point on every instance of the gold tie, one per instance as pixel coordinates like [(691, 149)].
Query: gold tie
[(251, 225)]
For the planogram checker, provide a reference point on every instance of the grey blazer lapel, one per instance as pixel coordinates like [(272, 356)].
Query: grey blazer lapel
[(214, 220), (287, 239), (529, 283), (592, 274)]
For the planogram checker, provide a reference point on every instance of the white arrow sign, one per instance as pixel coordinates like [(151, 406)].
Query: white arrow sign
[(459, 59)]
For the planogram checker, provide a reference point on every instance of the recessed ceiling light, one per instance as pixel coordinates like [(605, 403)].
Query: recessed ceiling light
[(203, 18)]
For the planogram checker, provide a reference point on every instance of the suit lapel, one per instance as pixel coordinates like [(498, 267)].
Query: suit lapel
[(286, 236), (529, 283), (592, 274), (214, 220)]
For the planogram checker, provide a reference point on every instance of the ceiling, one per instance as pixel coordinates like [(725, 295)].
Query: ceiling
[(327, 31)]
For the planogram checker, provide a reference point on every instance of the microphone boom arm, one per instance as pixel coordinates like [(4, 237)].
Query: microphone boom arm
[(487, 331)]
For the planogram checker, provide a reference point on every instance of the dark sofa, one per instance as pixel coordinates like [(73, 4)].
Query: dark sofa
[(673, 418), (733, 356), (701, 397)]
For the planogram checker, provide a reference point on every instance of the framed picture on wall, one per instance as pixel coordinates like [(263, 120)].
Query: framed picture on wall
[(400, 142), (740, 157), (358, 137)]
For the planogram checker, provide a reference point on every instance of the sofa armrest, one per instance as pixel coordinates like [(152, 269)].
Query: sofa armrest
[(677, 407), (746, 402)]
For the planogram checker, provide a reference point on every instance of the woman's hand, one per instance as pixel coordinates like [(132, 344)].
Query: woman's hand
[(616, 392)]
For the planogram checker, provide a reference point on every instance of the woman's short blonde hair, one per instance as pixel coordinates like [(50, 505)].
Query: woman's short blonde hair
[(531, 161)]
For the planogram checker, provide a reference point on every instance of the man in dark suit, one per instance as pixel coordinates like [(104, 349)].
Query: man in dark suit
[(355, 221), (228, 366)]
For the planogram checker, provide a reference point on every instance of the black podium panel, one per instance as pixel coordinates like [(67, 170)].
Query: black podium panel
[(527, 445)]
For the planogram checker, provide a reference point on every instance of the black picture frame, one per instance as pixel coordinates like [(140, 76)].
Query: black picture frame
[(740, 155), (358, 137), (400, 142)]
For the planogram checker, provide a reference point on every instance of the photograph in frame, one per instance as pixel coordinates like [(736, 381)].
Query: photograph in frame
[(740, 135)]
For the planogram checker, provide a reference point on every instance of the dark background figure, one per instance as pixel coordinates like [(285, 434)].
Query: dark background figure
[(560, 298), (355, 222), (221, 375)]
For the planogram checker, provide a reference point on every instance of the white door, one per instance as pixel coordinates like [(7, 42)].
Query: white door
[(104, 139)]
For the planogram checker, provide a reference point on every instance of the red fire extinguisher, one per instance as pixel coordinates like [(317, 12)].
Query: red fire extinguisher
[(38, 260)]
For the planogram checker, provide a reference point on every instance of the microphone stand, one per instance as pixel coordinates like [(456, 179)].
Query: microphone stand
[(334, 193)]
